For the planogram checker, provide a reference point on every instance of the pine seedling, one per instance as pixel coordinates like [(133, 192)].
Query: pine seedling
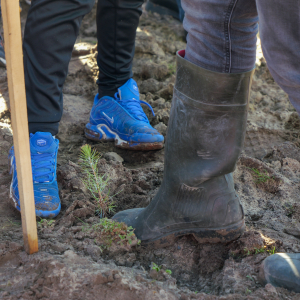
[(94, 182)]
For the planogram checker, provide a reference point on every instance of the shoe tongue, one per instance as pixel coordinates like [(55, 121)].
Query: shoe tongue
[(42, 142), (129, 90)]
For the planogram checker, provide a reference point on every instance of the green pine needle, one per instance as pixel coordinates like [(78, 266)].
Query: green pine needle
[(94, 182)]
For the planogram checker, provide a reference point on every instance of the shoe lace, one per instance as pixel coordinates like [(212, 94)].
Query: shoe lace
[(134, 106), (43, 167)]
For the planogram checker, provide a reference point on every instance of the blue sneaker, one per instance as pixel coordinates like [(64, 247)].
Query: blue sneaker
[(43, 148), (122, 119)]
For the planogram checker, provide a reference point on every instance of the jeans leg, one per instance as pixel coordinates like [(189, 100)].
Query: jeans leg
[(181, 11), (51, 30), (279, 25), (221, 34), (117, 21)]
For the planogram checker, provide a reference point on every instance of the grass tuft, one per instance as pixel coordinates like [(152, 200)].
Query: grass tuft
[(44, 223), (109, 231), (255, 251), (260, 177)]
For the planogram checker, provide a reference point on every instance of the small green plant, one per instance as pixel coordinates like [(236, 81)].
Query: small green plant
[(94, 182), (272, 251), (13, 223), (156, 267), (247, 251), (249, 277), (248, 291), (260, 177), (44, 223), (259, 250), (109, 231), (172, 68)]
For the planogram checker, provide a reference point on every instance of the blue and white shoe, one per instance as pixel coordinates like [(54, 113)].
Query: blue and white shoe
[(43, 148), (122, 119)]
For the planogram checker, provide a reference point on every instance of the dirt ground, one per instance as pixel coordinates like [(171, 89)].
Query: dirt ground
[(70, 265)]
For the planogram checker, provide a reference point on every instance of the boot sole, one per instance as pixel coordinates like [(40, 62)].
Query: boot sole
[(202, 235), (109, 136)]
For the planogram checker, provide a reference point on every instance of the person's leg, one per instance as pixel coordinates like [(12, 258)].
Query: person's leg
[(181, 11), (2, 53), (117, 114), (221, 34), (117, 21), (279, 26), (206, 129), (51, 30)]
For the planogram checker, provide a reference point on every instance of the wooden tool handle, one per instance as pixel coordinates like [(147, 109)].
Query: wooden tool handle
[(17, 97)]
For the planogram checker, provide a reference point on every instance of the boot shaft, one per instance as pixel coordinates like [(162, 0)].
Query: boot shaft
[(207, 123), (205, 136)]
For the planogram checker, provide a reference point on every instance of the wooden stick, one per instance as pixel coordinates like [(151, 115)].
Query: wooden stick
[(18, 107)]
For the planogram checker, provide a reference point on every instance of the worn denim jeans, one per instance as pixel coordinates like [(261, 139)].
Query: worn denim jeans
[(222, 38), (181, 11)]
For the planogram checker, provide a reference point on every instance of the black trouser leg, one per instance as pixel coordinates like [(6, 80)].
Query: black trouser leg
[(117, 21), (50, 33)]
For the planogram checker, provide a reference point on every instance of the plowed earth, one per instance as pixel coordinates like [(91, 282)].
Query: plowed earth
[(70, 265)]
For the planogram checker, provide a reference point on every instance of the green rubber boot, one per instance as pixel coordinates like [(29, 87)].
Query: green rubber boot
[(282, 270), (205, 136)]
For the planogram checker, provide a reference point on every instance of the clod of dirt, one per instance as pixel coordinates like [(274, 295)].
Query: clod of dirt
[(113, 156), (79, 210), (247, 243)]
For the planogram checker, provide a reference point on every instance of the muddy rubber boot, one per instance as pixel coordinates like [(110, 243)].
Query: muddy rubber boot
[(205, 135), (281, 270)]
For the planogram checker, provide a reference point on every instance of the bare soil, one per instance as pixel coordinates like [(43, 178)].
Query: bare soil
[(71, 265)]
